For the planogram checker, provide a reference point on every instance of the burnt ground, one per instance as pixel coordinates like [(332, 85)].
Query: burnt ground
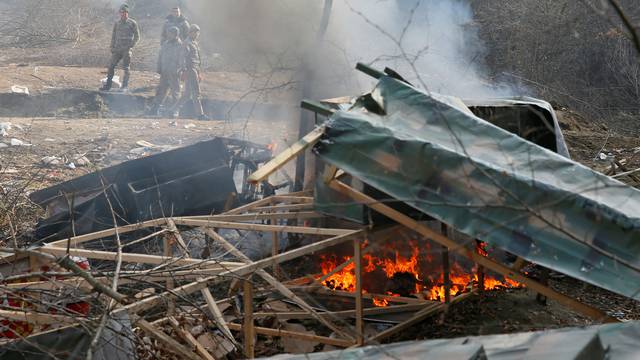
[(104, 137)]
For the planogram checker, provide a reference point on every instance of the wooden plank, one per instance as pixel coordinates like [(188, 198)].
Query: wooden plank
[(260, 217), (170, 344), (259, 227), (248, 332), (39, 318), (167, 252), (247, 207), (77, 240), (243, 270), (295, 335), (357, 256), (472, 255), (140, 258), (187, 337), (284, 207), (299, 315), (287, 155)]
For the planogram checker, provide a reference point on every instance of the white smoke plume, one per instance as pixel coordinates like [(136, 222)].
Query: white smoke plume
[(430, 42)]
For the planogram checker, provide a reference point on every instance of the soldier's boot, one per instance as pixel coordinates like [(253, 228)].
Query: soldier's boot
[(125, 80), (108, 84)]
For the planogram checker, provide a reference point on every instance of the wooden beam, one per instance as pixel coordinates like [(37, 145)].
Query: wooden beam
[(295, 335), (77, 240), (170, 344), (186, 336), (479, 259), (260, 217), (284, 207), (259, 227), (357, 256), (38, 318), (287, 155), (139, 258), (299, 315), (248, 332)]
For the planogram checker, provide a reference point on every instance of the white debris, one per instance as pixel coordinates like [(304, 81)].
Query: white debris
[(189, 126), (71, 165), (4, 126), (138, 151), (3, 132), (16, 142), (115, 81), (83, 161), (3, 145), (50, 140), (19, 89), (51, 160), (602, 156), (636, 150)]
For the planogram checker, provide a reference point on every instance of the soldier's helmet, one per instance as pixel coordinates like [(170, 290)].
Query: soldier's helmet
[(124, 8), (194, 28), (173, 32)]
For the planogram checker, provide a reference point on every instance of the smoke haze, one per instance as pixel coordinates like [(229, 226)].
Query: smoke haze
[(430, 42)]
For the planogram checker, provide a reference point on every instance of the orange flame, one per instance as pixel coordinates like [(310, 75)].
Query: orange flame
[(461, 281)]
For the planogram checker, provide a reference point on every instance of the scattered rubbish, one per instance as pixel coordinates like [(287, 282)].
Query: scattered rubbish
[(3, 145), (82, 161), (19, 89), (71, 165), (602, 156), (3, 132), (4, 128), (51, 160), (189, 126), (50, 140), (16, 142)]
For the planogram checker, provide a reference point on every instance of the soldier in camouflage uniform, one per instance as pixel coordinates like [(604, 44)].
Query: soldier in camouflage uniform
[(175, 19), (191, 73), (169, 66), (125, 36)]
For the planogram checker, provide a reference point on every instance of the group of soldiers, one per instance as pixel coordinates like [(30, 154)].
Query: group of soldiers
[(179, 60)]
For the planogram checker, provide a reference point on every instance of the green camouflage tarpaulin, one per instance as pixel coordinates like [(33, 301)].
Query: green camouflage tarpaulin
[(490, 184)]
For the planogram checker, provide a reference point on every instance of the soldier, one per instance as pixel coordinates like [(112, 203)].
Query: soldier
[(175, 19), (125, 36), (169, 66), (191, 73)]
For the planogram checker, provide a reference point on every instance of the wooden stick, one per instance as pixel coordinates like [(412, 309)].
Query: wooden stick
[(38, 318), (139, 258), (248, 320), (274, 282), (479, 259), (357, 255), (284, 157), (186, 336), (77, 240), (258, 227), (285, 207), (295, 335), (167, 252), (260, 217), (247, 207)]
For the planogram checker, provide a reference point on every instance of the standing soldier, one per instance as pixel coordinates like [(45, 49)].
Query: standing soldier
[(125, 36), (175, 19), (169, 66), (191, 73)]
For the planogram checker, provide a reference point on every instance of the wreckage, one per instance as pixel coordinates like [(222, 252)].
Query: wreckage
[(488, 184)]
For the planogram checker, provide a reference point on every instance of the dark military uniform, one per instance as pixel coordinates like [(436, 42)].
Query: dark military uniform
[(191, 73), (169, 65), (125, 36), (172, 21)]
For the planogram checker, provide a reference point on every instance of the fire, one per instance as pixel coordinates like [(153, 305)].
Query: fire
[(273, 147), (395, 264)]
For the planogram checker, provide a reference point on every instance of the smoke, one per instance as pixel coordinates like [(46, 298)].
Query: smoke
[(432, 43)]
